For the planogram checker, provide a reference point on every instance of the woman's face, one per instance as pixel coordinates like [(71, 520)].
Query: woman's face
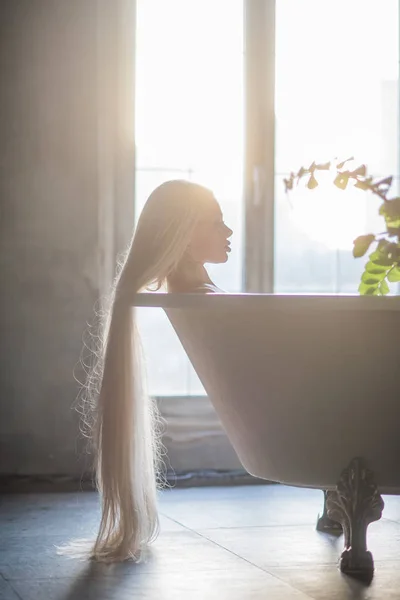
[(210, 243)]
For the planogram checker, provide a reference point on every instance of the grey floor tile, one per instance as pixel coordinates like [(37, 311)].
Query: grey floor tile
[(78, 516), (53, 514), (244, 584), (6, 591), (246, 506), (36, 558), (325, 583), (274, 546), (167, 524)]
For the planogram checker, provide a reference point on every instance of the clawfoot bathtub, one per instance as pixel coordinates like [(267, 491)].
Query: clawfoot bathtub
[(307, 390)]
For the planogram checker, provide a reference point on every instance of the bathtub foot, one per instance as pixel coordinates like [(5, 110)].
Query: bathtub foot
[(327, 525), (355, 503)]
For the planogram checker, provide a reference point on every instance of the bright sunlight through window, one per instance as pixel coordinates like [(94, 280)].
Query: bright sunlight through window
[(189, 125), (336, 95)]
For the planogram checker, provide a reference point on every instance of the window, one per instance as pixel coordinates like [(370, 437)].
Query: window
[(189, 125), (336, 95), (323, 83)]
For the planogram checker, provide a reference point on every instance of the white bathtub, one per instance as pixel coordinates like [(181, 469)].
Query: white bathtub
[(302, 384)]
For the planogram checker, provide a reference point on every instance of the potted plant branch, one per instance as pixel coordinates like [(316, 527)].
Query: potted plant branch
[(383, 266)]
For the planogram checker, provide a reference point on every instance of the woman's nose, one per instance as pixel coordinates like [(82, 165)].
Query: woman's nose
[(228, 231)]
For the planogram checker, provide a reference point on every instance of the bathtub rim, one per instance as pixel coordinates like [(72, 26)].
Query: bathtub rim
[(280, 302)]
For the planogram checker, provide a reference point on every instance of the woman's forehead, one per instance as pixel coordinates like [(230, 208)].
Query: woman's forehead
[(213, 207)]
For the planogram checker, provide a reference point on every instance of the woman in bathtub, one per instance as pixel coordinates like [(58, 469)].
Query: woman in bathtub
[(179, 230)]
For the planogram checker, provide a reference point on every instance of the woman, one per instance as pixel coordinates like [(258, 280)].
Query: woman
[(179, 230)]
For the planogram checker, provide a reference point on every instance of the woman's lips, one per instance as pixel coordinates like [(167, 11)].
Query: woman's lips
[(228, 247)]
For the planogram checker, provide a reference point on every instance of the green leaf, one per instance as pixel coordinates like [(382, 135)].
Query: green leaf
[(368, 290), (312, 183), (394, 275), (385, 254), (341, 165), (342, 180), (390, 250), (384, 288), (372, 279), (383, 247), (382, 209), (302, 171), (380, 259), (361, 170), (383, 262), (393, 231), (288, 184), (392, 208), (392, 223), (323, 167), (375, 256), (386, 182), (362, 244), (362, 185), (375, 269)]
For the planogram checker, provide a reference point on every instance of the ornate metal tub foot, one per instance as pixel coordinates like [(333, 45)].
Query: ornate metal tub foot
[(327, 525), (355, 503)]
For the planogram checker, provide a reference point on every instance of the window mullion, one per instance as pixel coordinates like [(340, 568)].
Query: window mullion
[(259, 61)]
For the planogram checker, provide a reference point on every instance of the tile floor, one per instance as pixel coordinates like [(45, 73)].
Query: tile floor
[(244, 542)]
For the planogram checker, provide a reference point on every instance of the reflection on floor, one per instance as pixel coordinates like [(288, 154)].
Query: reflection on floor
[(244, 542)]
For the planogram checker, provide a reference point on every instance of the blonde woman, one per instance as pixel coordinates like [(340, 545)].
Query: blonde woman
[(179, 230)]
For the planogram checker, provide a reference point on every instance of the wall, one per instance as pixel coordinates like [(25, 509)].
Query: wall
[(54, 245)]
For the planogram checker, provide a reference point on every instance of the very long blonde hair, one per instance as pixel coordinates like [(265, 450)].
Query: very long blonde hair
[(121, 421)]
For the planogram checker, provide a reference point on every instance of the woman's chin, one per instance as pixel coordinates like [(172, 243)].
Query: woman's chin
[(222, 258), (216, 261), (225, 258)]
